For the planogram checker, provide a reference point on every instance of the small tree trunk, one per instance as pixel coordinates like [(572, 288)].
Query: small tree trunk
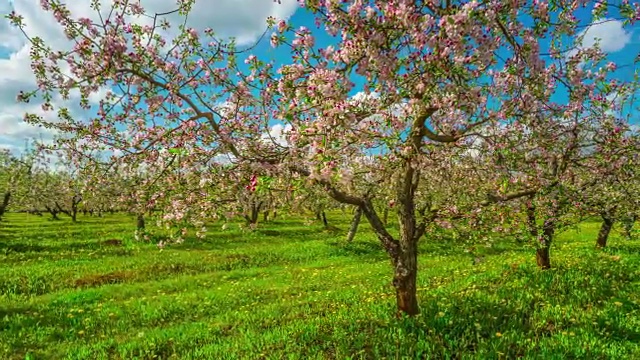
[(543, 258), (318, 215), (605, 229), (385, 216), (531, 219), (354, 225), (275, 215), (324, 219), (5, 203), (252, 218), (140, 222), (74, 211), (54, 214), (265, 216)]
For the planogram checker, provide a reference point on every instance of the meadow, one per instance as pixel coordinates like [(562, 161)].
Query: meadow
[(294, 290)]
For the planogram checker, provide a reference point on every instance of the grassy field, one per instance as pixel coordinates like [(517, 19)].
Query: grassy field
[(295, 291)]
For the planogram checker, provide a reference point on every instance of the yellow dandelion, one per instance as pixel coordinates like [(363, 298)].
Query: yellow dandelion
[(498, 334)]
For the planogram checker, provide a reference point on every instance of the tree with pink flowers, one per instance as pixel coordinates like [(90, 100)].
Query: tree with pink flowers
[(432, 76)]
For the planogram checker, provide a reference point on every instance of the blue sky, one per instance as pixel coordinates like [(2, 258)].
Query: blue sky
[(241, 18)]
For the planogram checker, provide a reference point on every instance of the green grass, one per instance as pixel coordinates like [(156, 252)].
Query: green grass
[(294, 291)]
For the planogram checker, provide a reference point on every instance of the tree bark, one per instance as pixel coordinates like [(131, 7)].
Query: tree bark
[(354, 225), (531, 218), (543, 258), (385, 216), (405, 277), (324, 219), (607, 224), (265, 216)]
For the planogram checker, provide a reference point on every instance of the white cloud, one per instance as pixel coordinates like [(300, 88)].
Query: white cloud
[(609, 34), (10, 38), (224, 159), (277, 135), (243, 19)]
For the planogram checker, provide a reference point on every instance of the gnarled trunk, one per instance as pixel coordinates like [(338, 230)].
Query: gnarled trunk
[(405, 277), (404, 256), (607, 224), (353, 229)]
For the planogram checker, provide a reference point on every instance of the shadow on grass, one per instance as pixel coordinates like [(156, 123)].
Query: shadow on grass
[(234, 239), (470, 321), (455, 323), (629, 247), (28, 247), (362, 248)]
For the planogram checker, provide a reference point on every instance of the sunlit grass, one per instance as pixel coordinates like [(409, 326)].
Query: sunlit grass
[(292, 290)]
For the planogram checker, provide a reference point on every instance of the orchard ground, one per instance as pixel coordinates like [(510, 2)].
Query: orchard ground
[(294, 290)]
